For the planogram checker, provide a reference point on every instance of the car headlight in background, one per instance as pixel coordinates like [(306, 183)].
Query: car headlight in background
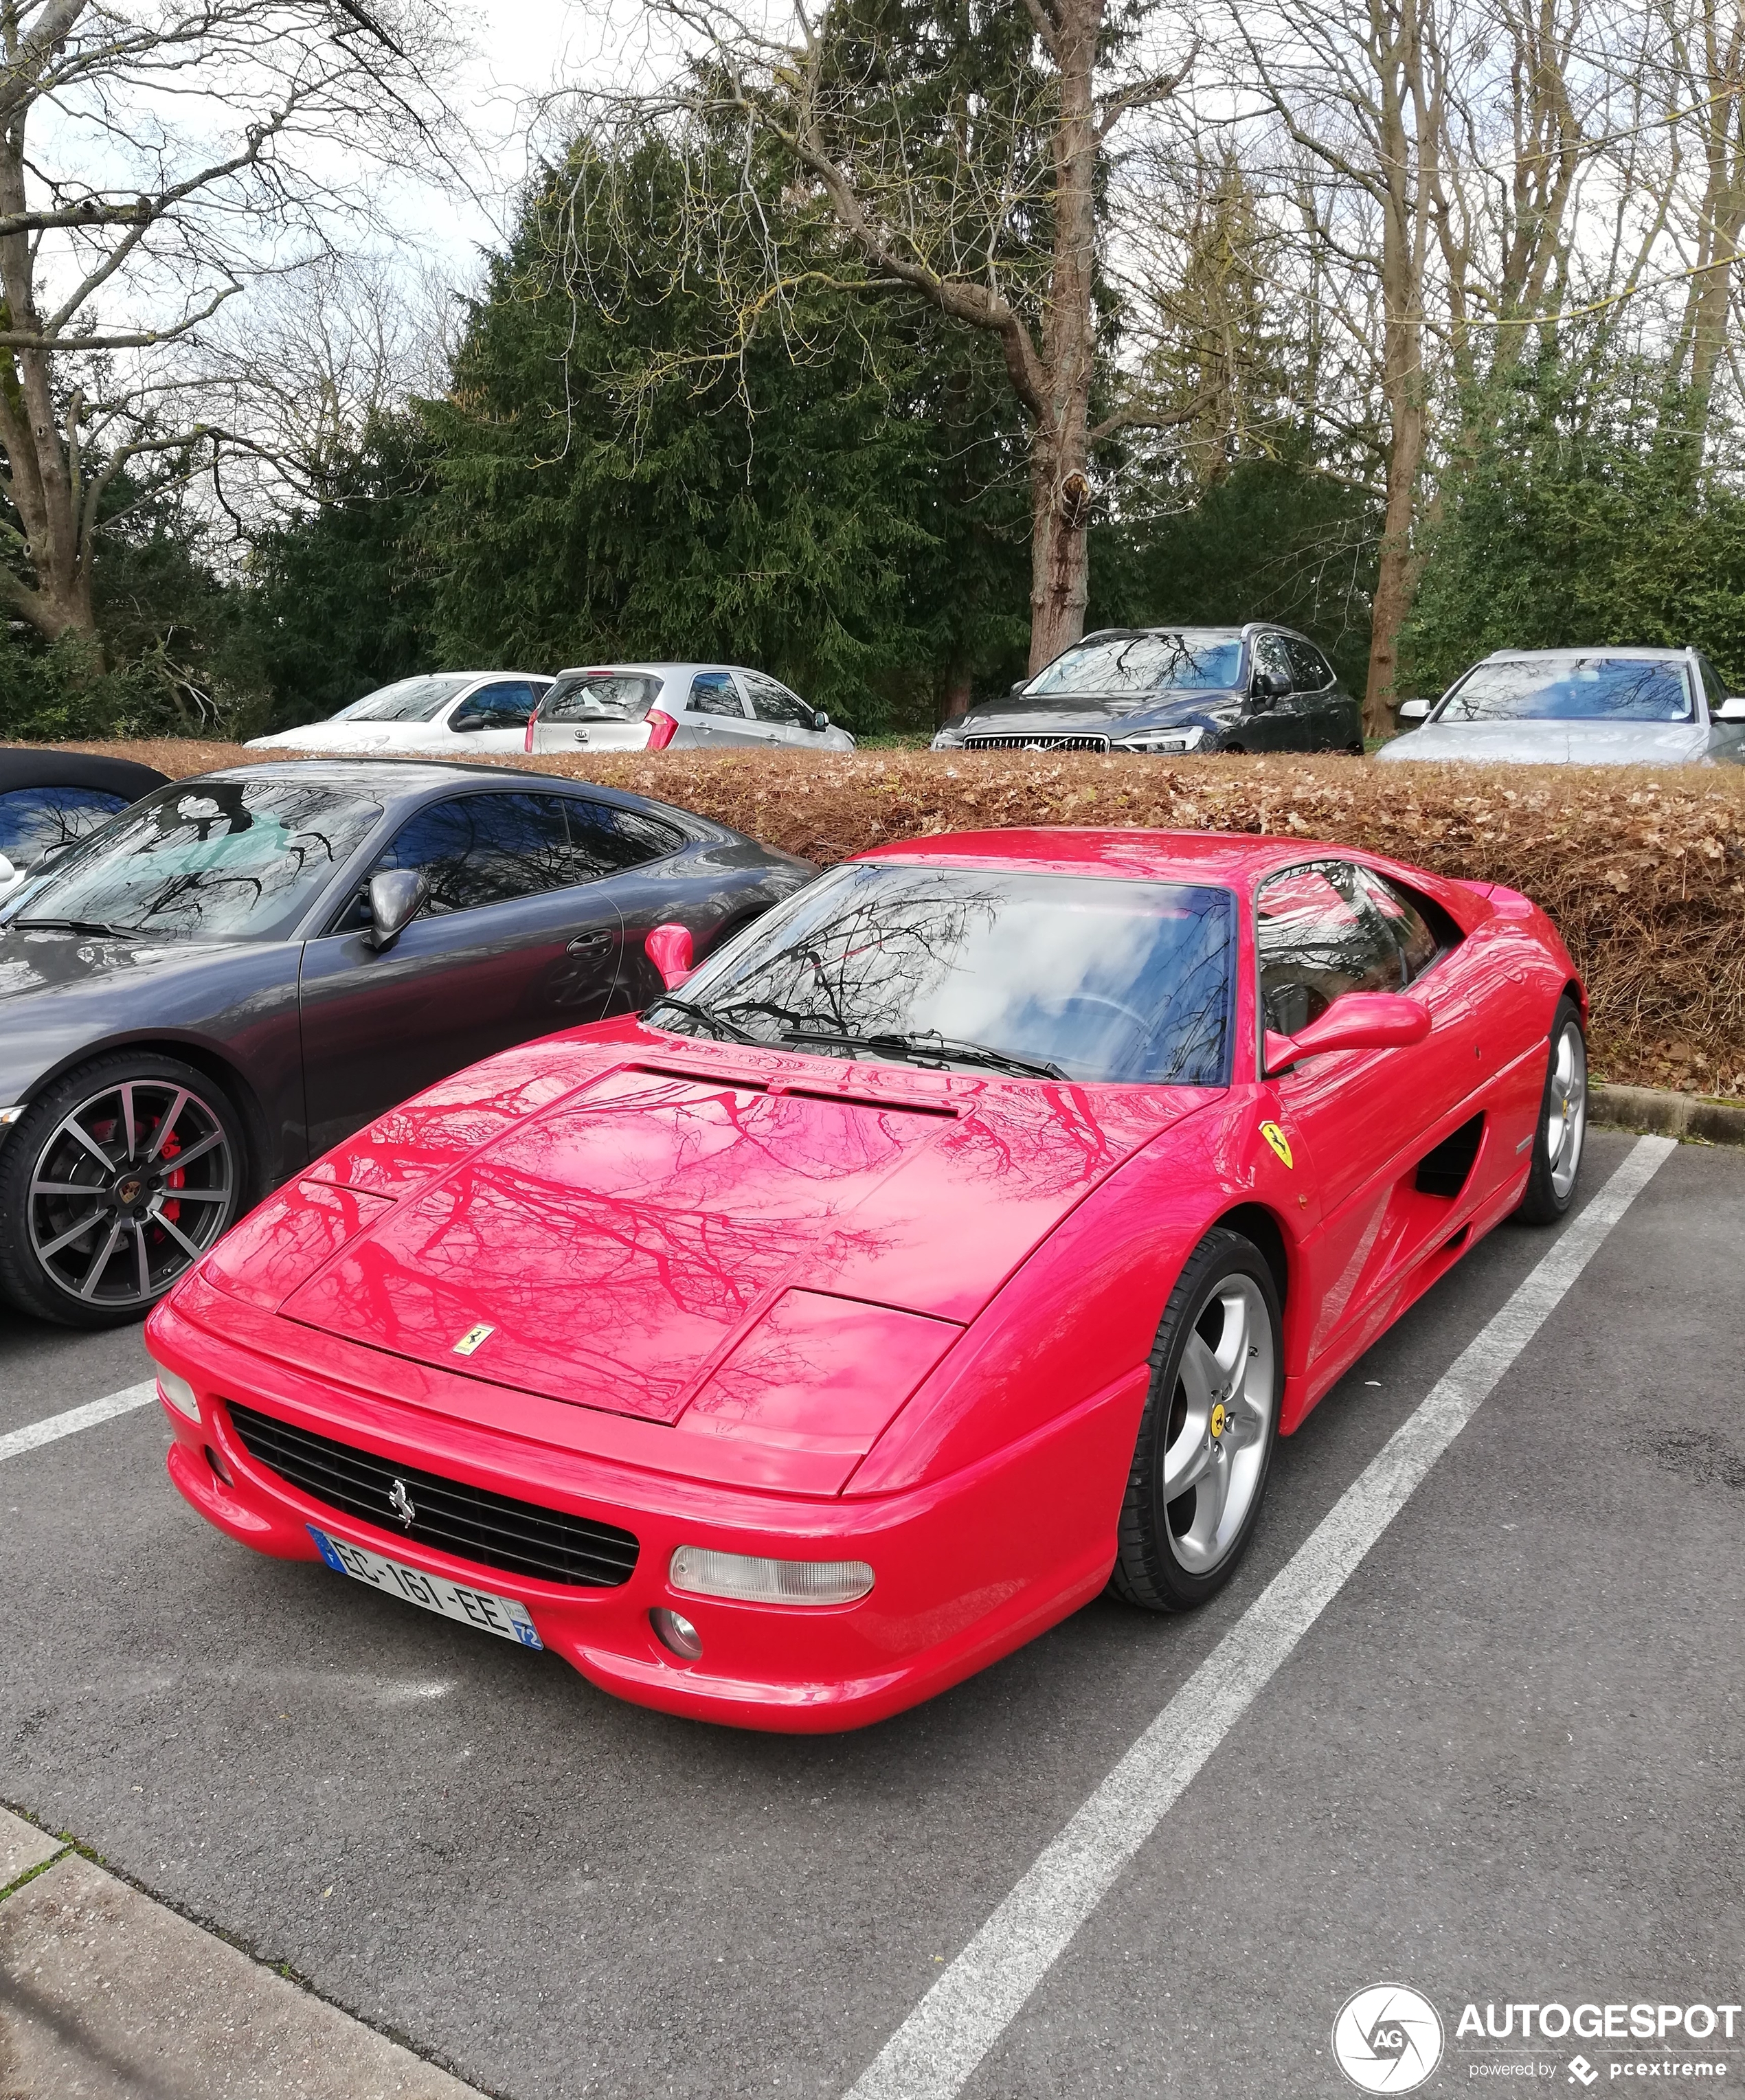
[(751, 1580), (1167, 739)]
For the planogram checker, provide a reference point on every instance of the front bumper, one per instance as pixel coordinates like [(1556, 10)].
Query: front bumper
[(965, 1570)]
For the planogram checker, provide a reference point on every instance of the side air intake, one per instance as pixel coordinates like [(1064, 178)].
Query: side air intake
[(1444, 1171)]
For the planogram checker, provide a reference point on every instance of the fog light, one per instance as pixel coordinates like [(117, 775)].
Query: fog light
[(675, 1631), (178, 1392), (756, 1580)]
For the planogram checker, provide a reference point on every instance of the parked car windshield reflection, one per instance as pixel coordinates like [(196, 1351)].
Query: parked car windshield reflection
[(218, 859), (1578, 689), (1107, 980), (407, 700), (1145, 664)]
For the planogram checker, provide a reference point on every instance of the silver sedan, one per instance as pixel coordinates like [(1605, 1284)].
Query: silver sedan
[(655, 707), (1579, 707)]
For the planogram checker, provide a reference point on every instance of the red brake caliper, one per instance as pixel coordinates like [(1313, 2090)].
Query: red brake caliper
[(170, 1209)]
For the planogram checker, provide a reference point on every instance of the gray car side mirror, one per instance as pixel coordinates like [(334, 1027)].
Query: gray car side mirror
[(396, 897), (1733, 710), (1412, 710), (1267, 686), (820, 721)]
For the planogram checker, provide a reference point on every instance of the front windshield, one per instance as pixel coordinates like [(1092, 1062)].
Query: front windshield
[(1105, 979), (601, 696), (1572, 689), (208, 860), (1119, 663), (407, 700)]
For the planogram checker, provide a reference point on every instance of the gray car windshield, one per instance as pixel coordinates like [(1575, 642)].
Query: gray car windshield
[(208, 860), (408, 699), (1572, 689), (1124, 663), (600, 696), (1102, 978)]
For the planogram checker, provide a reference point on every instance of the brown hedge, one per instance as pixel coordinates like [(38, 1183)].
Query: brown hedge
[(1644, 872)]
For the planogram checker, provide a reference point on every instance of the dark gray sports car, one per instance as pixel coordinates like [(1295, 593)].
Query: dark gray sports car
[(1164, 689), (235, 973)]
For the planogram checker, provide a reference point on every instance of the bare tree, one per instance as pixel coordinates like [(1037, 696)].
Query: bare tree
[(978, 196), (156, 158)]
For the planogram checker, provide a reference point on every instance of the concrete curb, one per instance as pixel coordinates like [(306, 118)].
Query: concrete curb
[(1664, 1113)]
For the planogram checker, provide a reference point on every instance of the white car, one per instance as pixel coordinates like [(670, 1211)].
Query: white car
[(1578, 707), (656, 707), (449, 714)]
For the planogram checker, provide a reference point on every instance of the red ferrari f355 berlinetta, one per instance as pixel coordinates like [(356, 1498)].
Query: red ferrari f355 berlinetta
[(954, 1243)]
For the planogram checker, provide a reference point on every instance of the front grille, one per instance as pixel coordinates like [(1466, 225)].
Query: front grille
[(1035, 744), (495, 1530)]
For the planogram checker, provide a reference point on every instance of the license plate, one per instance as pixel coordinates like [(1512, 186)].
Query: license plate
[(501, 1616)]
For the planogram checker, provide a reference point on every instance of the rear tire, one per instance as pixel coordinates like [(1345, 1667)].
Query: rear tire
[(113, 1184), (1205, 1443), (1561, 1134)]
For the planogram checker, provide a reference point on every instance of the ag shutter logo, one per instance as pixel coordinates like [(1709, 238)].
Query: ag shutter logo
[(1387, 2038)]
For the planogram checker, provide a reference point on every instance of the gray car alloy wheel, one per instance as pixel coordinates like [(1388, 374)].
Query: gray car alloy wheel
[(1567, 1108), (1216, 1443), (129, 1191)]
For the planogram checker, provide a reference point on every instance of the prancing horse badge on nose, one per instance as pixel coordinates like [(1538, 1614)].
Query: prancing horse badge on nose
[(1276, 1139), (473, 1338)]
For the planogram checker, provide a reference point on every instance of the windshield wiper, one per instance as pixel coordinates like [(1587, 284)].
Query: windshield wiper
[(709, 1018), (77, 925), (929, 1043)]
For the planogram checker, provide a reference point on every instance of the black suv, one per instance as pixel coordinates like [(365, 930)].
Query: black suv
[(1170, 690)]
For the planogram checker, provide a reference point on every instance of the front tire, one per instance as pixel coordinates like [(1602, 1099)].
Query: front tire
[(1206, 1438), (112, 1185), (1561, 1135)]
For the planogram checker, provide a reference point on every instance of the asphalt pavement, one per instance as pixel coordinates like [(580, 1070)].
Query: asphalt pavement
[(1502, 1767)]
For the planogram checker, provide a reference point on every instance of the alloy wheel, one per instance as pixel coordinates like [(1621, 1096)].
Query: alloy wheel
[(1221, 1412), (131, 1189), (1566, 1110)]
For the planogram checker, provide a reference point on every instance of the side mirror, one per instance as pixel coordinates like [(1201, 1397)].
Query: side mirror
[(468, 718), (1360, 1020), (820, 721), (668, 949), (1267, 686), (1017, 688), (8, 873), (396, 897), (1412, 710), (1733, 710)]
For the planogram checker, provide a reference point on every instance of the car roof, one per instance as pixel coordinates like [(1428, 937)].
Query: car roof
[(1631, 653), (408, 781), (39, 768), (655, 670)]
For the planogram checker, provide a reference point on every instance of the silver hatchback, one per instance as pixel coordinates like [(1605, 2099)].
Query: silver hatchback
[(696, 707)]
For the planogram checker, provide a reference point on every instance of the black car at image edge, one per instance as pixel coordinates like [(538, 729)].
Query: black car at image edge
[(1171, 690), (245, 967)]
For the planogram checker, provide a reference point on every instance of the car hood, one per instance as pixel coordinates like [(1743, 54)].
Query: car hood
[(1088, 715), (619, 1243), (1553, 743), (46, 962), (353, 736)]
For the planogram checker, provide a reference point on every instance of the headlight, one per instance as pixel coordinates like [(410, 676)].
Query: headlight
[(754, 1581), (1170, 739), (178, 1392)]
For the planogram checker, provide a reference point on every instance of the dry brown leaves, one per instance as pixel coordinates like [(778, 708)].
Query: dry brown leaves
[(1643, 872)]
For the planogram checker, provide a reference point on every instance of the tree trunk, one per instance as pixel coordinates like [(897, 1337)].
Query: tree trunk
[(1060, 487)]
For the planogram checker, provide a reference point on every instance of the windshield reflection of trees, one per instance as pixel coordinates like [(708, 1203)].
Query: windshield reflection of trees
[(174, 870), (1113, 981)]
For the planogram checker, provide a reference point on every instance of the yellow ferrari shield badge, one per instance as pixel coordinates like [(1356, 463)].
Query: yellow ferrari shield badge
[(1279, 1141), (472, 1338)]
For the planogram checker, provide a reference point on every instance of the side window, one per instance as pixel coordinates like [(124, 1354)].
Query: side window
[(1716, 692), (1413, 934), (34, 821), (1270, 656), (713, 693), (506, 704), (771, 702), (477, 849), (1320, 937), (609, 840), (1309, 668)]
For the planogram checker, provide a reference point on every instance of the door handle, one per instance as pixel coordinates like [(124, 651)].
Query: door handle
[(583, 942)]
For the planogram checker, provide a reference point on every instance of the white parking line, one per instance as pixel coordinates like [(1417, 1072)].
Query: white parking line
[(933, 2054), (75, 1419)]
